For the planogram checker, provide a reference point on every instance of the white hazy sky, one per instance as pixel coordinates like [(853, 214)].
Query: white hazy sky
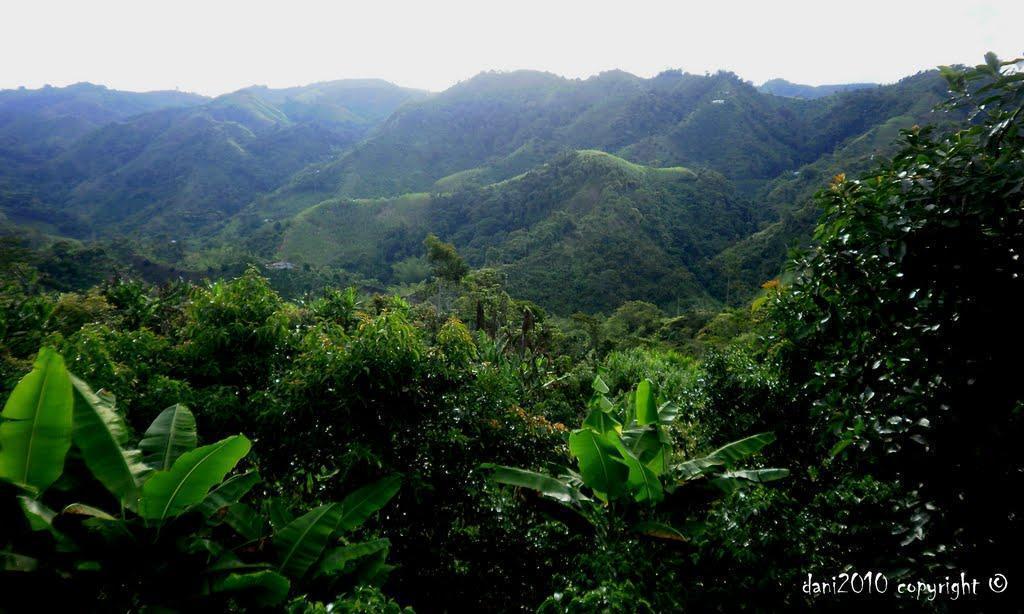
[(217, 46)]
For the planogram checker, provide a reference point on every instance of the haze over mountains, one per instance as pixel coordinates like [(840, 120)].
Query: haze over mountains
[(680, 189), (781, 87), (186, 166)]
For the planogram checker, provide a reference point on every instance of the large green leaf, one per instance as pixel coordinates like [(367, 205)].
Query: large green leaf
[(658, 463), (278, 511), (661, 530), (667, 413), (302, 541), (172, 434), (546, 485), (372, 570), (12, 561), (642, 482), (595, 453), (601, 421), (646, 409), (652, 447), (758, 475), (81, 509), (731, 481), (223, 504), (359, 505), (169, 493), (228, 562), (35, 432), (100, 433), (244, 520), (40, 517), (266, 587), (736, 451), (695, 468), (229, 492), (728, 485), (335, 561)]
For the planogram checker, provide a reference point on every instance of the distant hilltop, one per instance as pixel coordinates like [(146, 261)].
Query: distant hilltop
[(781, 87)]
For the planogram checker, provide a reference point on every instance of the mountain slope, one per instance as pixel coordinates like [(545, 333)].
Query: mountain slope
[(741, 268), (679, 189), (781, 87), (585, 232), (181, 171), (498, 124), (37, 126), (54, 116)]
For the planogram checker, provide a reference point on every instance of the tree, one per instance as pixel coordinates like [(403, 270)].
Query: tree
[(902, 329), (445, 260)]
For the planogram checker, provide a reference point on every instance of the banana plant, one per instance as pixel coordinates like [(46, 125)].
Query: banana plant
[(624, 455), (174, 501)]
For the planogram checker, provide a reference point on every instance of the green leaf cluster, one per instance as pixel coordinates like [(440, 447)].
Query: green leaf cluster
[(175, 500)]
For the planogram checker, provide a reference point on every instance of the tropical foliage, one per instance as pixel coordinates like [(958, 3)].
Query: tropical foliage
[(859, 413), (175, 532), (624, 452)]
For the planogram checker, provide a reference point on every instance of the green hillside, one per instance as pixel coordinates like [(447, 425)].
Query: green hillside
[(39, 125), (176, 171), (586, 232), (56, 116), (481, 150), (560, 183), (354, 234), (484, 124), (186, 171), (782, 87), (788, 200)]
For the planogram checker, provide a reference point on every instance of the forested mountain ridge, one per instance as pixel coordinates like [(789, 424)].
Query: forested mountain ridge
[(718, 121), (782, 87), (38, 125), (183, 169), (789, 198), (272, 170), (584, 232), (53, 116), (775, 152)]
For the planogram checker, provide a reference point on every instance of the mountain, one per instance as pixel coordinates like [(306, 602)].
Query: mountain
[(472, 145), (789, 196), (679, 189), (586, 231), (43, 119), (781, 87), (38, 125), (497, 125), (179, 170)]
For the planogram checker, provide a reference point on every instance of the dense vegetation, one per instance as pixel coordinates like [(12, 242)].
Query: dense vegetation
[(263, 175), (552, 231), (860, 414)]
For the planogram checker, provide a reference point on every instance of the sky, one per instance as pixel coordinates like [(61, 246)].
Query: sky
[(217, 46)]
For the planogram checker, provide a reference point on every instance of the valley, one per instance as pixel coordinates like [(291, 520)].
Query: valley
[(683, 190)]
